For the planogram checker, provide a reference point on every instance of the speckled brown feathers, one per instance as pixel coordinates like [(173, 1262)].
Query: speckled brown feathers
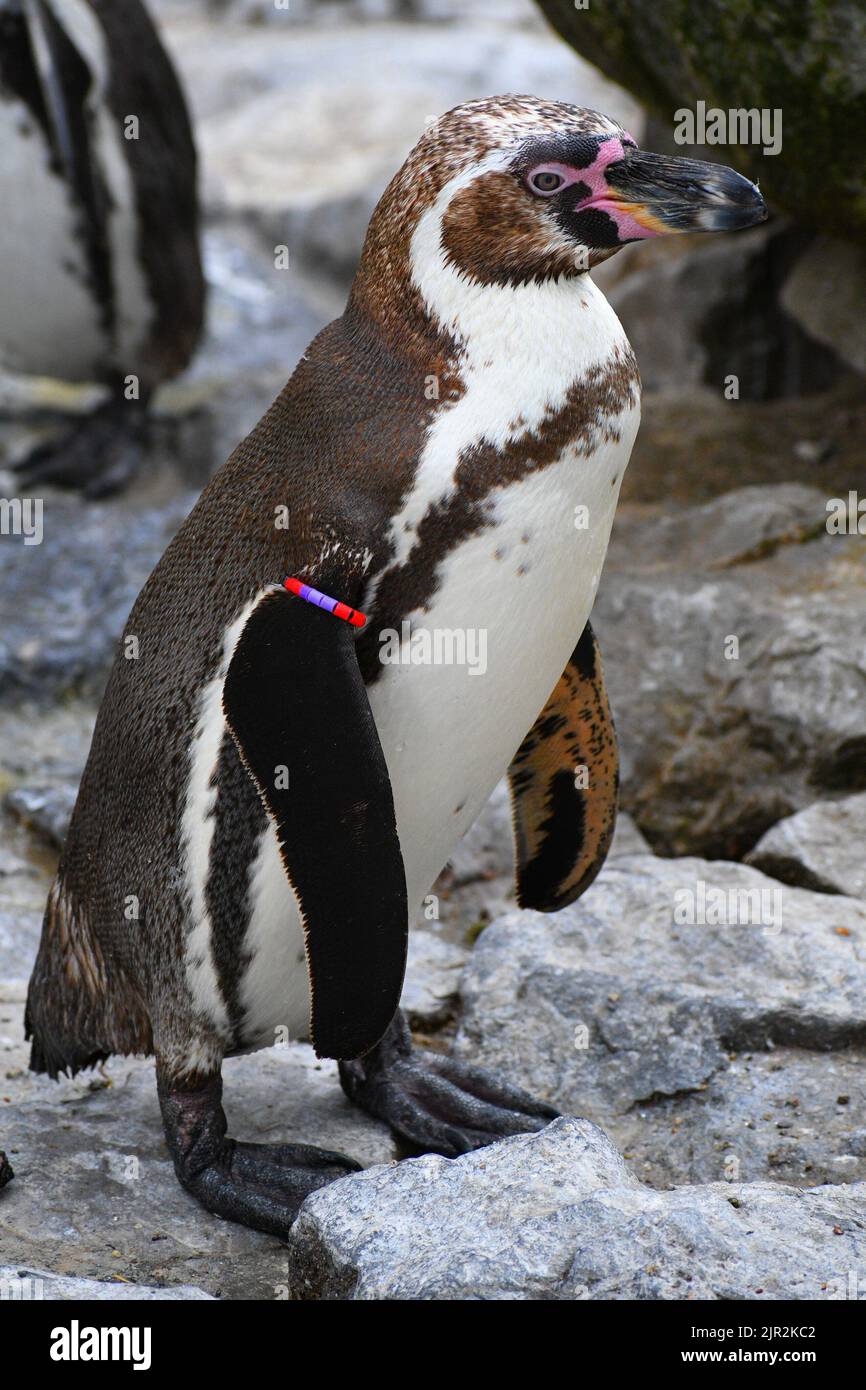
[(564, 781), (76, 1020)]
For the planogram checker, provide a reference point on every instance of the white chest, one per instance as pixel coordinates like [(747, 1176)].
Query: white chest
[(516, 594)]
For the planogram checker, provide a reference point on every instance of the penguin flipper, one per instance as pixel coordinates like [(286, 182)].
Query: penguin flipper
[(563, 830), (297, 707)]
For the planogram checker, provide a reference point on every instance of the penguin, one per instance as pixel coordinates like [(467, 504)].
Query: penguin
[(99, 236), (267, 799)]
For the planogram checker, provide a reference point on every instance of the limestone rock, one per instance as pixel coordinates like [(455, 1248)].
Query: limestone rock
[(556, 1216), (821, 847), (686, 1040)]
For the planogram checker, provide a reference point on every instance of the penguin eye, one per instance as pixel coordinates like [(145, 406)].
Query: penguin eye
[(545, 182)]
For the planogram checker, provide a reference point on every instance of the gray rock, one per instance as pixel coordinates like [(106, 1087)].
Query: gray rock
[(557, 1216), (719, 741), (20, 931), (820, 847), (433, 969), (698, 310), (35, 744), (826, 292), (23, 890), (27, 1285), (44, 742), (788, 1114), (618, 1009), (63, 603), (44, 810), (747, 524), (627, 839)]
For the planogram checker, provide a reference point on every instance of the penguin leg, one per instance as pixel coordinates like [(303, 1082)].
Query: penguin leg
[(435, 1103), (99, 455), (258, 1185)]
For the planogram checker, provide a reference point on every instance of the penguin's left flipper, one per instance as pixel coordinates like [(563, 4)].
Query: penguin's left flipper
[(564, 781), (438, 1104), (297, 706), (6, 1174)]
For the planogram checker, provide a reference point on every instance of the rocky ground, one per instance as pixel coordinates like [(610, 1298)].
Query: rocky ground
[(702, 1007)]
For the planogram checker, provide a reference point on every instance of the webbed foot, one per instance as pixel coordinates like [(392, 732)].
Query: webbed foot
[(435, 1103), (259, 1185), (99, 455)]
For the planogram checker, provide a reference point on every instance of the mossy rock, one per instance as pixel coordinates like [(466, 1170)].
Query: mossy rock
[(804, 57)]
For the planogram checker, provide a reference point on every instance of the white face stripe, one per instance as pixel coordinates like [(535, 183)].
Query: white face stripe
[(197, 829), (521, 349)]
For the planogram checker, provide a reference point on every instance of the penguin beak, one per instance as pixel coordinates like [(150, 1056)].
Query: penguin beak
[(652, 194)]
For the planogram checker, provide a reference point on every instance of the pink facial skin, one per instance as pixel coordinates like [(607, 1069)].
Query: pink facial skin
[(610, 151)]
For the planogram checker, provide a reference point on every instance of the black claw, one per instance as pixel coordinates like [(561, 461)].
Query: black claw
[(488, 1087)]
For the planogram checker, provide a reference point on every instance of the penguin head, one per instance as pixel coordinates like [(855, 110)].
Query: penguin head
[(514, 189)]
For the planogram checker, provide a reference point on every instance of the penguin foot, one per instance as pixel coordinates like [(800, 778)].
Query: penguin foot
[(435, 1103), (258, 1185), (6, 1174), (99, 456)]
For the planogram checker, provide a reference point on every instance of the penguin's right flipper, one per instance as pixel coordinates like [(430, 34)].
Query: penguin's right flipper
[(297, 707), (564, 781)]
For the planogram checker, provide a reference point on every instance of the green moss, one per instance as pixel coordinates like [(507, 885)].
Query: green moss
[(472, 933)]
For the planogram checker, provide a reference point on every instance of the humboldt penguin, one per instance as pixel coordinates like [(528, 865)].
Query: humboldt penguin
[(102, 278), (267, 798)]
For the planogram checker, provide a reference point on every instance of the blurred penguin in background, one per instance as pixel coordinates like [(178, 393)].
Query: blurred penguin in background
[(100, 269)]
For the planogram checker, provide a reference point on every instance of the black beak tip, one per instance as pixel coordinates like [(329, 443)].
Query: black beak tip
[(743, 206)]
